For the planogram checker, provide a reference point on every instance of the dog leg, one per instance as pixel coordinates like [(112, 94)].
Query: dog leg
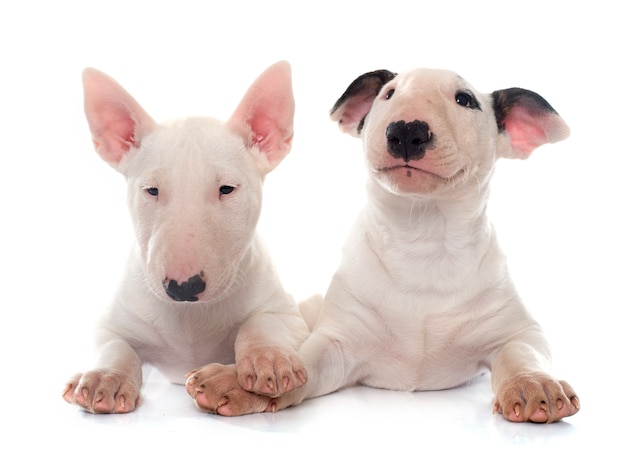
[(113, 387), (267, 365), (270, 371), (266, 357), (216, 389), (524, 391)]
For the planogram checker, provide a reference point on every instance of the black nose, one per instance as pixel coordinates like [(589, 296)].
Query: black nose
[(186, 291), (408, 141)]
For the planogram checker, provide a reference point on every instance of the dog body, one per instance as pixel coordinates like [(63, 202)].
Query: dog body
[(422, 299), (199, 286), (418, 317)]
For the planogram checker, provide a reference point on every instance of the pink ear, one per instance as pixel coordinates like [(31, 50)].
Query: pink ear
[(528, 120), (265, 114), (117, 122)]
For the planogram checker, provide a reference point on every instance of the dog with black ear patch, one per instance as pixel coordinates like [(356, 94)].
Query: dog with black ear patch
[(422, 299)]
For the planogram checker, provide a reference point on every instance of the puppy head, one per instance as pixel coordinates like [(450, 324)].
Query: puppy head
[(194, 185), (429, 132)]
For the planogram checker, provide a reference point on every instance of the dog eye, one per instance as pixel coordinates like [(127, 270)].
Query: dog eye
[(389, 94), (465, 99), (152, 191), (225, 190)]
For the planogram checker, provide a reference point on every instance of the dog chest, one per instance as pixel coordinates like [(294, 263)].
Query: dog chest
[(427, 352), (417, 334)]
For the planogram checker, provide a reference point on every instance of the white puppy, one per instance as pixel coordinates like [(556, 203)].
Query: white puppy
[(422, 299), (199, 286)]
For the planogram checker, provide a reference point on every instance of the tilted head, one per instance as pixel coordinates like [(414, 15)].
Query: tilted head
[(430, 133), (194, 185)]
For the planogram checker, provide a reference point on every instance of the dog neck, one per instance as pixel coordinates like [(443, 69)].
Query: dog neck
[(417, 215), (443, 241)]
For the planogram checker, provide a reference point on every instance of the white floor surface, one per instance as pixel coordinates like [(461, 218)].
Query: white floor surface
[(358, 425)]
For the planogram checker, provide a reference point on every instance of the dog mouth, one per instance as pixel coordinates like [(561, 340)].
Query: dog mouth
[(420, 177), (410, 170)]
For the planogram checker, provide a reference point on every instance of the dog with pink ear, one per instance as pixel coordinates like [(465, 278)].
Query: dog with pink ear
[(422, 299), (199, 286)]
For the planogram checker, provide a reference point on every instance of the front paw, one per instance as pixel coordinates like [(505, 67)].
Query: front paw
[(270, 371), (536, 397), (103, 392), (215, 388)]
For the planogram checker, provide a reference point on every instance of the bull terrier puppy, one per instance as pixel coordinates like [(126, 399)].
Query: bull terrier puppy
[(199, 285), (422, 299)]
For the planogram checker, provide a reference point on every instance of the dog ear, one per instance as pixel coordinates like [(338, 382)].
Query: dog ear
[(265, 114), (117, 122), (525, 121), (355, 103)]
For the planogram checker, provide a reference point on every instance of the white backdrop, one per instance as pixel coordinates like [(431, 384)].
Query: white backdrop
[(65, 231)]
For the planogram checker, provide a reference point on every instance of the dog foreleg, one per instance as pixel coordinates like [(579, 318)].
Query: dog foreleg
[(266, 353), (327, 367), (216, 389), (114, 384), (524, 390)]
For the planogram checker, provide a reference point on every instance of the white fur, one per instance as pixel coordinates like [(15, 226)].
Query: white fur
[(422, 299), (187, 225)]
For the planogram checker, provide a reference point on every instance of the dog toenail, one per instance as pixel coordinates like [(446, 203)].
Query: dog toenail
[(496, 408)]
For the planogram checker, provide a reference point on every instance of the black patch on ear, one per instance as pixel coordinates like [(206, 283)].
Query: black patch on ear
[(366, 85), (505, 100)]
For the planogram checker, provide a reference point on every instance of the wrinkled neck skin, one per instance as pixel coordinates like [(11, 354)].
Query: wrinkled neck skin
[(438, 244), (413, 217)]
